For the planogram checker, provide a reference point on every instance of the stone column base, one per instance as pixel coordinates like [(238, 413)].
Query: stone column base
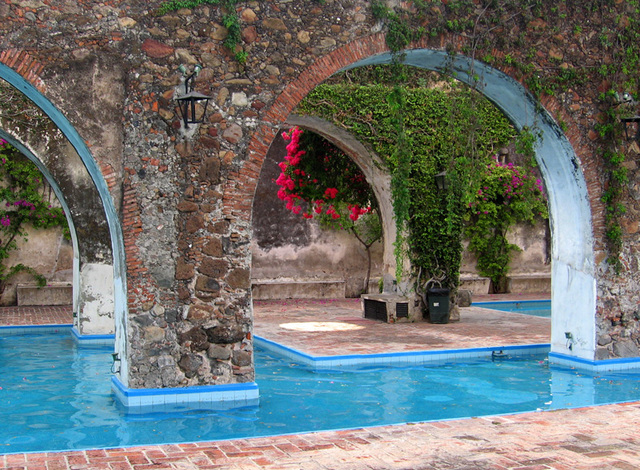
[(206, 397)]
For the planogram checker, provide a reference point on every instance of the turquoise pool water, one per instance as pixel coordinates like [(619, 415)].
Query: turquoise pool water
[(56, 396), (539, 308)]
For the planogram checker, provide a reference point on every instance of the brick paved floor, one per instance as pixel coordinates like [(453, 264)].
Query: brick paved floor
[(317, 327), (597, 438), (594, 438), (51, 315)]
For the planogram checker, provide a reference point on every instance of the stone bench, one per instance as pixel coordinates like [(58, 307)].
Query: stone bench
[(529, 283), (274, 289), (51, 294), (475, 284)]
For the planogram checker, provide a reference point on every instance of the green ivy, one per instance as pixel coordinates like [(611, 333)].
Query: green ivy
[(26, 200), (434, 130), (611, 35)]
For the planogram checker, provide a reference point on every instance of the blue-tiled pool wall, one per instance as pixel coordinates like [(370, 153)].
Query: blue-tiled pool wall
[(34, 329), (607, 365), (209, 397), (513, 305), (92, 340), (397, 358)]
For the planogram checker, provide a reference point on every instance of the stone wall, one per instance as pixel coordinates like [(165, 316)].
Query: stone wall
[(185, 198)]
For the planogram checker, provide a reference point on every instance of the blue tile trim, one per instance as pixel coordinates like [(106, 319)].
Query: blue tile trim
[(629, 363), (396, 358), (34, 329), (204, 397), (87, 340), (504, 302)]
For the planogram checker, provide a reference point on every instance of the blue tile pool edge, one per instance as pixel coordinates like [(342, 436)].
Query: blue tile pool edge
[(604, 365), (202, 397), (81, 340), (34, 329), (505, 302), (92, 340), (395, 358)]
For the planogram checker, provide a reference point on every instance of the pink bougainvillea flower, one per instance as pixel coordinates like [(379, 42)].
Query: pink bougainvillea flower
[(331, 193)]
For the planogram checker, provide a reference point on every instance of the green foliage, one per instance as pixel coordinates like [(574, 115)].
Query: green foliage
[(26, 200), (613, 35), (507, 195), (174, 5), (448, 127)]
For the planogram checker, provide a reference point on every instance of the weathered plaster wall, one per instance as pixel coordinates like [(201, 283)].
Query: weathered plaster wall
[(47, 252), (186, 204), (534, 257)]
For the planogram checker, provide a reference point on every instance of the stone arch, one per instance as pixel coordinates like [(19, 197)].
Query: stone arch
[(370, 164), (80, 185), (573, 271)]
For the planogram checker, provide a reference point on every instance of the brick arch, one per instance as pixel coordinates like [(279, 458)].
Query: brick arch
[(241, 185), (573, 279), (23, 73), (25, 65)]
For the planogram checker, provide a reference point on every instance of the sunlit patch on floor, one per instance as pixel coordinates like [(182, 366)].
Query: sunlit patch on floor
[(320, 326)]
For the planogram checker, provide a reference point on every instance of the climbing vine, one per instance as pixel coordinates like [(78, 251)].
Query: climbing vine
[(26, 201), (434, 219), (508, 194), (608, 57)]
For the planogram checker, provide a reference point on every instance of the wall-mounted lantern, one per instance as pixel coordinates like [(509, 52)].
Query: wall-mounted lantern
[(441, 181), (629, 106), (629, 122), (190, 98)]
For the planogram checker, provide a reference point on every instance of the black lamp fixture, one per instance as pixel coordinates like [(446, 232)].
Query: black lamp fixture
[(629, 122), (190, 98), (441, 181), (627, 103)]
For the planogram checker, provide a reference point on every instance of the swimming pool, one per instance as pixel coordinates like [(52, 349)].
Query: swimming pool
[(538, 308), (57, 397)]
